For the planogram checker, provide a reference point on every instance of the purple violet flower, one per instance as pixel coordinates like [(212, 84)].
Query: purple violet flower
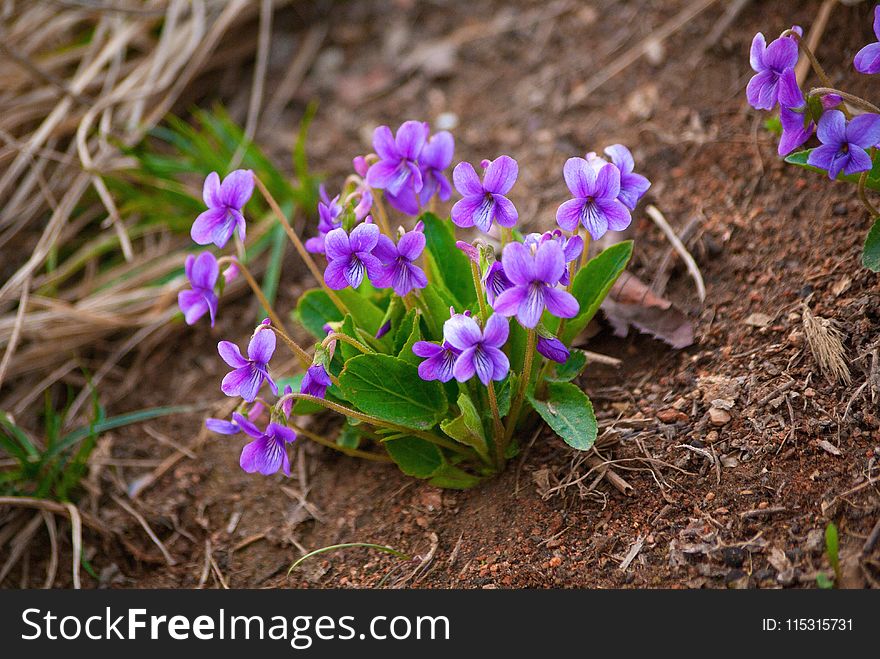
[(495, 282), (595, 204), (553, 349), (399, 270), (632, 186), (797, 128), (250, 373), (383, 329), (315, 381), (222, 426), (439, 362), (329, 218), (572, 246), (351, 256), (867, 60), (225, 201), (362, 192), (267, 453), (769, 63), (436, 156), (485, 202), (398, 169), (844, 143), (480, 349), (534, 276), (469, 250), (202, 273)]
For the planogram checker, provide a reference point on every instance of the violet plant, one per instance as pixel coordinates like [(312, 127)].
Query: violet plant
[(846, 126), (438, 352)]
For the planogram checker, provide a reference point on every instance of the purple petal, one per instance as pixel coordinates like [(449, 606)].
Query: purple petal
[(281, 432), (500, 175), (518, 263), (230, 354), (437, 153), (386, 174), (504, 211), (832, 128), (569, 214), (410, 139), (247, 425), (573, 248), (222, 426), (212, 224), (790, 94), (781, 54), (756, 52), (549, 262), (408, 277), (859, 160), (616, 214), (794, 133), (867, 60), (406, 201), (211, 190), (621, 157), (529, 312), (438, 367), (315, 245), (385, 250), (411, 245), (484, 366), (364, 237), (877, 22), (632, 188), (499, 361), (193, 305), (384, 145), (607, 182), (337, 245), (465, 210), (864, 130), (264, 455), (462, 331), (234, 381), (369, 265), (262, 345), (823, 157), (579, 177), (335, 274), (204, 271), (496, 331), (237, 188), (594, 220), (466, 181), (560, 303), (553, 349), (762, 90), (509, 301), (427, 349), (463, 369)]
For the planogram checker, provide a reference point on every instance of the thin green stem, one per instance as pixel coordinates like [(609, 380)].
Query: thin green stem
[(499, 442), (346, 545), (298, 244), (304, 358), (524, 377), (353, 452), (478, 289), (850, 98), (345, 338), (381, 214), (436, 329), (863, 197)]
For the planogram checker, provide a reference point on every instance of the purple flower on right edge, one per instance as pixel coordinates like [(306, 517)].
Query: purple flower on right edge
[(844, 144), (867, 60)]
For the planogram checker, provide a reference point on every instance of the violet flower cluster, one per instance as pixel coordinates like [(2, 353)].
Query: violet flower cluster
[(504, 329)]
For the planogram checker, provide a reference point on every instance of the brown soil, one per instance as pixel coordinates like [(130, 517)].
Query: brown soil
[(739, 504)]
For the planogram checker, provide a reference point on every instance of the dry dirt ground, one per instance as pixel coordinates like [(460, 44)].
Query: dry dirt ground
[(736, 499)]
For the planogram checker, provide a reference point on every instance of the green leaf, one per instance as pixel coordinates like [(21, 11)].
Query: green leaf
[(824, 582), (800, 158), (406, 350), (366, 315), (348, 328), (504, 392), (391, 389), (832, 547), (349, 436), (453, 478), (573, 366), (415, 457), (569, 412), (468, 428), (592, 283), (445, 262), (314, 309), (404, 330), (871, 252)]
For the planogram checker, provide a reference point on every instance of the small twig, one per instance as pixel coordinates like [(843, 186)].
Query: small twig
[(679, 247), (762, 512), (146, 526), (75, 541)]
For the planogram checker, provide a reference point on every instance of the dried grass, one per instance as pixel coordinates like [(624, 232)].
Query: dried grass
[(81, 80), (826, 343)]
